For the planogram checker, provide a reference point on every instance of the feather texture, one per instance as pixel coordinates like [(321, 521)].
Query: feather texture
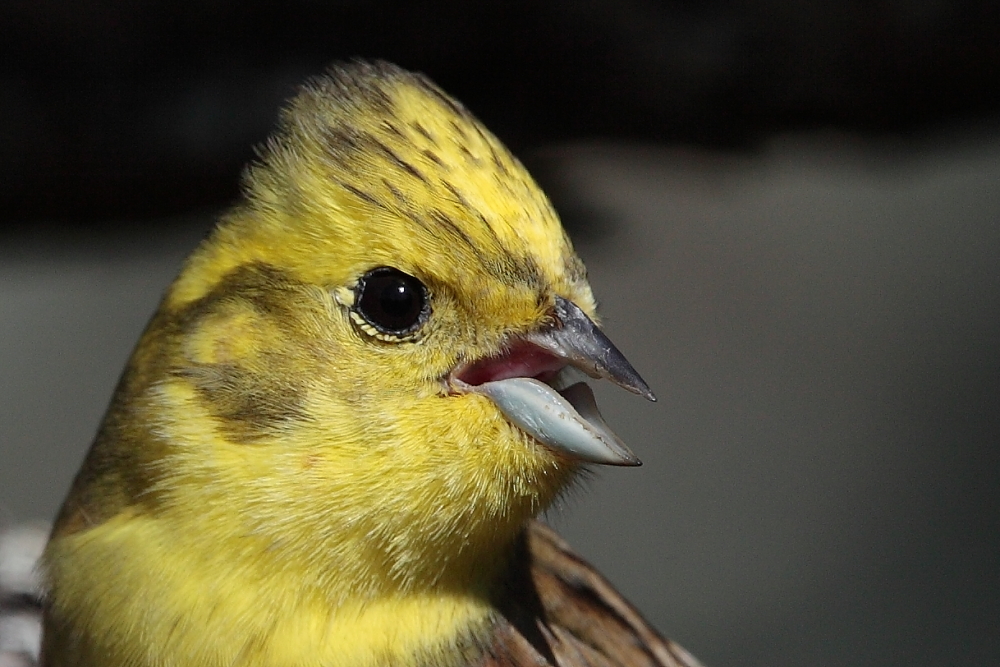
[(330, 439), (558, 610)]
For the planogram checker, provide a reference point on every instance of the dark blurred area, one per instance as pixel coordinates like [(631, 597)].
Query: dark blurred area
[(113, 110)]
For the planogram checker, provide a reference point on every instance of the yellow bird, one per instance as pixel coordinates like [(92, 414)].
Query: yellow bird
[(331, 441)]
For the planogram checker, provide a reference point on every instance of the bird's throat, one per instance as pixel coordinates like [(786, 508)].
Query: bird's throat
[(239, 613)]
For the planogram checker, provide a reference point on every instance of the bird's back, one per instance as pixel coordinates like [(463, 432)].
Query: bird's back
[(559, 610)]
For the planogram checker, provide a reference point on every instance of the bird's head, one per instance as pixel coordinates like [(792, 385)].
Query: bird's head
[(376, 359)]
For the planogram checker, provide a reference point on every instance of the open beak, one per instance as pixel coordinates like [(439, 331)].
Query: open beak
[(538, 385)]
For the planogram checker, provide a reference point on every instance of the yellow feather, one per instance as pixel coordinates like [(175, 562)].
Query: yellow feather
[(276, 485)]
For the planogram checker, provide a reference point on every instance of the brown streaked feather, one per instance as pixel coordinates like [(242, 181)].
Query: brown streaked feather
[(558, 610)]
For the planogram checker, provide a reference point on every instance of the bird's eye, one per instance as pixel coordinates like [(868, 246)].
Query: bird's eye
[(391, 301)]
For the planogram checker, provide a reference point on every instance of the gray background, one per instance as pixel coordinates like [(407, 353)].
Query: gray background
[(819, 319)]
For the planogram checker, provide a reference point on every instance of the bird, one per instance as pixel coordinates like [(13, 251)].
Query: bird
[(333, 441)]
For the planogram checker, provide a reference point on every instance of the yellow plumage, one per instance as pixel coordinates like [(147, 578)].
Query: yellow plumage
[(282, 479)]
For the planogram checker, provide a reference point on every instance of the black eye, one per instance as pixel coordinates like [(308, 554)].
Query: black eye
[(391, 301)]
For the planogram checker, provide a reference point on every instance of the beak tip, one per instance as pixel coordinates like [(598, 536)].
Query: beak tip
[(642, 389)]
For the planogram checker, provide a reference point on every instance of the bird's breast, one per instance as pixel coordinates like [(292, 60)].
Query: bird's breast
[(198, 612)]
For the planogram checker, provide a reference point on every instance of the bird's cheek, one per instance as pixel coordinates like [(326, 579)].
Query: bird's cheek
[(482, 438)]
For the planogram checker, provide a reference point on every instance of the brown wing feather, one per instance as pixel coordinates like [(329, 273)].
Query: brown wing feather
[(559, 611)]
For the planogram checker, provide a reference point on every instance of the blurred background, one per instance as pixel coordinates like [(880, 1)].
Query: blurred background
[(790, 212)]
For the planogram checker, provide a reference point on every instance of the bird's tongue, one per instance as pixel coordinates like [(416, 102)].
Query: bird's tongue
[(550, 401)]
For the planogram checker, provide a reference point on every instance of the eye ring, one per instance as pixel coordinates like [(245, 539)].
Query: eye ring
[(390, 305)]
